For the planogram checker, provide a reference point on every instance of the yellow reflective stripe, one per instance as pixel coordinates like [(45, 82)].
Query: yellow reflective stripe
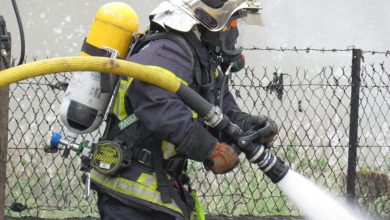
[(119, 99), (168, 150), (133, 189), (148, 180), (119, 106), (198, 207), (216, 73), (167, 72)]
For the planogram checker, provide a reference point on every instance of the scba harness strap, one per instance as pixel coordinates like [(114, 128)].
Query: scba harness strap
[(165, 187)]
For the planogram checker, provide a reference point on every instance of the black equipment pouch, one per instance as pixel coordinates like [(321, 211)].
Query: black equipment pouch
[(110, 158)]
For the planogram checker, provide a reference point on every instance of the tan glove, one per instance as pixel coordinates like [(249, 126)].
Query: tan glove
[(223, 159)]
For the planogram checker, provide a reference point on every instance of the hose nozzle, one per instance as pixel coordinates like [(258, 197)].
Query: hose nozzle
[(272, 166)]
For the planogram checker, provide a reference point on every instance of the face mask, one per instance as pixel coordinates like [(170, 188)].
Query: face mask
[(224, 44), (231, 39), (231, 43)]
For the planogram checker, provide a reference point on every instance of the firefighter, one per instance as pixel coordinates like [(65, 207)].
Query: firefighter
[(197, 41)]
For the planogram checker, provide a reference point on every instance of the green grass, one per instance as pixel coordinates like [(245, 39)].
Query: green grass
[(50, 186)]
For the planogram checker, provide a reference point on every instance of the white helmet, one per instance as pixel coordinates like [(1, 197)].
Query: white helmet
[(182, 15)]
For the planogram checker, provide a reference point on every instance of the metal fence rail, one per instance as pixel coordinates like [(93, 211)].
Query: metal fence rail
[(310, 101)]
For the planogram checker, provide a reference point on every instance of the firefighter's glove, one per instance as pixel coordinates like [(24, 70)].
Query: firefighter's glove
[(222, 160), (268, 126)]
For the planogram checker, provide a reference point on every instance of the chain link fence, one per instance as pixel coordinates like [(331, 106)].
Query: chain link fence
[(308, 93)]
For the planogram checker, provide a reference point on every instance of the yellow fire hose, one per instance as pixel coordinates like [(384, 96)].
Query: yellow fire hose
[(144, 73)]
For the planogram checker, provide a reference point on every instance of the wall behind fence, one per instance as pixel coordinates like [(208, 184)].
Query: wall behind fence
[(310, 103)]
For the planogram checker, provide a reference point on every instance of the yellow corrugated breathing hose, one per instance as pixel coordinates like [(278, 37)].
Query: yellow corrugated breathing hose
[(149, 74)]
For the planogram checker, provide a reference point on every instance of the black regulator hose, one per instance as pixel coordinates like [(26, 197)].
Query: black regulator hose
[(194, 100), (21, 31)]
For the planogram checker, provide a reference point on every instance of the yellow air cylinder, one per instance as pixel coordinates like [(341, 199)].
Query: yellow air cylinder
[(112, 27), (88, 95)]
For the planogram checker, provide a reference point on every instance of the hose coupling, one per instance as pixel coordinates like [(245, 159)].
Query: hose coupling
[(214, 117)]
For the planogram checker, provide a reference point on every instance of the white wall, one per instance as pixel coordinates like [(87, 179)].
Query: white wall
[(327, 23), (57, 28)]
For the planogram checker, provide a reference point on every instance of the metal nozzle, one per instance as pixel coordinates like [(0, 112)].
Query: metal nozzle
[(272, 166)]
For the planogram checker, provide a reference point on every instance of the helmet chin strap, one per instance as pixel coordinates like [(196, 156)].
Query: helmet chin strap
[(216, 60)]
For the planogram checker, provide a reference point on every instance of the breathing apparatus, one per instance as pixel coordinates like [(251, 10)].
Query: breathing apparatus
[(224, 45), (89, 93)]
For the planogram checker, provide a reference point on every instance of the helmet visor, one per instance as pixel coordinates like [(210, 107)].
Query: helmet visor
[(250, 18), (230, 37), (233, 34), (215, 19)]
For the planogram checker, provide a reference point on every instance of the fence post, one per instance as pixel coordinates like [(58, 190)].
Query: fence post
[(5, 55), (353, 125)]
